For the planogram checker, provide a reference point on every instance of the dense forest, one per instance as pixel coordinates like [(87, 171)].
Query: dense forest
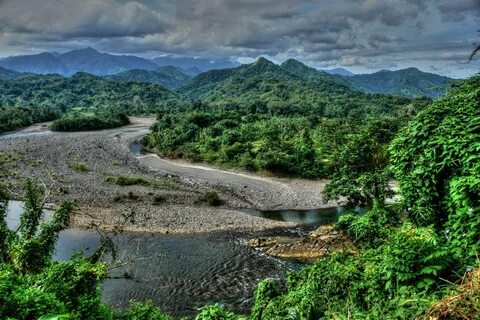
[(288, 119), (38, 98), (414, 259)]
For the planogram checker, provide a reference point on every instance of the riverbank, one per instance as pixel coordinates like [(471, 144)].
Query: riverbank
[(86, 167)]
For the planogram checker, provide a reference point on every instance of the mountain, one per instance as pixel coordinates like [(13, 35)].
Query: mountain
[(91, 61), (6, 74), (193, 71), (83, 60), (311, 74), (169, 77), (409, 82), (187, 63), (42, 63), (292, 87), (339, 71)]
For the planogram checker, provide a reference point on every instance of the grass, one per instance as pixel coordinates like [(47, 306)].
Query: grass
[(79, 167), (133, 180), (210, 197), (464, 303)]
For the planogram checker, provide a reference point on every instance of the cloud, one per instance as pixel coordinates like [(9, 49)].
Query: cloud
[(87, 18), (357, 33), (458, 10)]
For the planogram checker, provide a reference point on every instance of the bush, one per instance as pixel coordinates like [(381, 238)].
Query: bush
[(436, 161), (143, 311), (77, 121), (78, 166), (158, 198), (211, 198), (132, 180)]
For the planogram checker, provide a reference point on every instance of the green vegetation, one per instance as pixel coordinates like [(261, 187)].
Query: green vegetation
[(79, 167), (409, 82), (210, 197), (132, 180), (169, 77), (264, 117), (33, 286), (81, 121), (38, 98)]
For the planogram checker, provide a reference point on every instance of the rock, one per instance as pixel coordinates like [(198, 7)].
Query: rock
[(314, 246)]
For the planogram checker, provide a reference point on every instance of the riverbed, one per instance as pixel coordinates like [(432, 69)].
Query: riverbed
[(184, 254)]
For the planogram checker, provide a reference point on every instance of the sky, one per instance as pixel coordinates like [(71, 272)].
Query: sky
[(360, 35)]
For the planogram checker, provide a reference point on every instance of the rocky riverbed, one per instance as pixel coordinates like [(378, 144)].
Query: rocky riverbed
[(92, 167)]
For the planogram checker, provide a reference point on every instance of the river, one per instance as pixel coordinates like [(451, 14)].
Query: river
[(181, 273)]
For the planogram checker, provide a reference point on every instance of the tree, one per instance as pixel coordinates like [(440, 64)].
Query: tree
[(362, 174)]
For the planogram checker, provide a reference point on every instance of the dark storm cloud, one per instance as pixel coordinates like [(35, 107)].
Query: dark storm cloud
[(357, 33), (459, 10)]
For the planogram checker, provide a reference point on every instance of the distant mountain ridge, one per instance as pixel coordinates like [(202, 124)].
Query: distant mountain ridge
[(409, 82), (83, 60), (339, 71), (168, 76), (91, 61), (200, 64), (6, 74)]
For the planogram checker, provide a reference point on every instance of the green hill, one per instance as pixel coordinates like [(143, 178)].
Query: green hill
[(45, 97), (293, 86), (409, 82), (169, 77), (6, 74)]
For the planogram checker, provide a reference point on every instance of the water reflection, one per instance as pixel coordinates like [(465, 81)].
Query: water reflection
[(309, 217)]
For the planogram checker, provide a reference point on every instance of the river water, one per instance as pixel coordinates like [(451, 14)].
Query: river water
[(182, 273), (179, 273)]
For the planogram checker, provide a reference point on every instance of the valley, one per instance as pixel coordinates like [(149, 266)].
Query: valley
[(51, 157)]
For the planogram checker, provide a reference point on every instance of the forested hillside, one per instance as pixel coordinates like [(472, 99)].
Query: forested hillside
[(409, 82), (40, 98), (168, 76), (6, 74), (293, 87), (288, 119)]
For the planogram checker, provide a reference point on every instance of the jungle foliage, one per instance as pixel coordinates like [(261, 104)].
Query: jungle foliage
[(37, 98), (83, 121)]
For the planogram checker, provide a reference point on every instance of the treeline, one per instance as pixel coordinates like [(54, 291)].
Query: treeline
[(42, 98), (259, 137), (82, 121), (12, 118)]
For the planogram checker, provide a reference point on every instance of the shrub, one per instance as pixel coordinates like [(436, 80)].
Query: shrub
[(128, 180), (211, 198), (143, 311), (78, 166), (436, 161), (158, 198), (77, 121)]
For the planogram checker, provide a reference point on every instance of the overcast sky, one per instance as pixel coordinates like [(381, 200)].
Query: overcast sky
[(360, 35)]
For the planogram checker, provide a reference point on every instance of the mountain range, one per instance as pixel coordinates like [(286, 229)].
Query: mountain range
[(409, 82), (7, 74), (339, 71), (91, 61), (170, 77), (174, 72)]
